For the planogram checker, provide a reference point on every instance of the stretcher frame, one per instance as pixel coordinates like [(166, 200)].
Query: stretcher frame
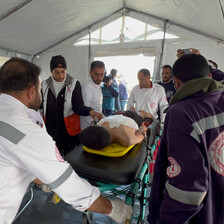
[(136, 190)]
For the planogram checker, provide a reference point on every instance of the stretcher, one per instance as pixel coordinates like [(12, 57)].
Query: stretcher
[(109, 173), (130, 171)]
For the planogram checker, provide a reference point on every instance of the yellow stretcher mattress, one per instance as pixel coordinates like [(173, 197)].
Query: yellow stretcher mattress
[(113, 150)]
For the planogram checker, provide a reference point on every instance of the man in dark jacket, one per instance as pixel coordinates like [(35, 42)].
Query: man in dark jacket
[(62, 105), (215, 73), (167, 81), (109, 95), (188, 178), (114, 84)]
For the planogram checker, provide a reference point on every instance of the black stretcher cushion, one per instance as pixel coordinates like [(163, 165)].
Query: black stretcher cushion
[(114, 170)]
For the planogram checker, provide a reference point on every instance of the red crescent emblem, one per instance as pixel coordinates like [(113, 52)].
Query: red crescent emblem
[(174, 169), (216, 154), (152, 105), (58, 155)]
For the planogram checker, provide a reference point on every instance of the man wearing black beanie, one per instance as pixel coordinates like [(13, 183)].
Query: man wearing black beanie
[(62, 105), (58, 61)]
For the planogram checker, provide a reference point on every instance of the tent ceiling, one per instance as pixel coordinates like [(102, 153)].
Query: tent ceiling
[(206, 18), (33, 25)]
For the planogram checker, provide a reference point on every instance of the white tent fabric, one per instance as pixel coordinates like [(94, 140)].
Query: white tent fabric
[(39, 29)]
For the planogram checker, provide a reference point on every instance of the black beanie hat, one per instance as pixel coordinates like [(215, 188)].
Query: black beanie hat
[(58, 61)]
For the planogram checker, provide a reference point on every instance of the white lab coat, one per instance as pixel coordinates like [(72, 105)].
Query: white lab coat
[(34, 156), (92, 97), (149, 100)]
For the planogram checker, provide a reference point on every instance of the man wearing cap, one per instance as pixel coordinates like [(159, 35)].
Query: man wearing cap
[(91, 91), (62, 105)]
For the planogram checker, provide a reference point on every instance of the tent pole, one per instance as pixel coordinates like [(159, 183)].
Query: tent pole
[(89, 42), (8, 50), (89, 52), (10, 12), (162, 50), (122, 27)]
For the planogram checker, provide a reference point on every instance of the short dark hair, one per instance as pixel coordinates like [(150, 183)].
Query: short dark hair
[(18, 74), (167, 66), (191, 66), (95, 137), (113, 72), (98, 64), (145, 72)]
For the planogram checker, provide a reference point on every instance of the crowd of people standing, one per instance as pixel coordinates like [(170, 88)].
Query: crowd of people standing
[(189, 175)]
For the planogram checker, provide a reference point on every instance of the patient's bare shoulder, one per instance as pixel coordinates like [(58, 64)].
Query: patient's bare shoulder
[(124, 135)]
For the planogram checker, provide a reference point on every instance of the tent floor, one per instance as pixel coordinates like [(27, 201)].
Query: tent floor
[(40, 211)]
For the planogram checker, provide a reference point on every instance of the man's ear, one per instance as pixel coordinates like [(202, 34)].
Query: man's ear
[(210, 75), (178, 84), (30, 92)]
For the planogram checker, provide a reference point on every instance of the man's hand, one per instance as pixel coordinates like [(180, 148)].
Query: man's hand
[(120, 112), (180, 52), (115, 209), (195, 51), (145, 114), (142, 130), (96, 115), (120, 211), (132, 108), (38, 182)]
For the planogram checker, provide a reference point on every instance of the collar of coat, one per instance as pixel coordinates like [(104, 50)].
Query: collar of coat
[(67, 82), (195, 86)]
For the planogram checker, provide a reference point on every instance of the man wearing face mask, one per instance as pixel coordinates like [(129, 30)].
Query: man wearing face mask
[(62, 105)]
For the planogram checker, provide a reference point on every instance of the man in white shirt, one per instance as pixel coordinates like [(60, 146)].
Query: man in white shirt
[(147, 96), (27, 151), (91, 91), (63, 105)]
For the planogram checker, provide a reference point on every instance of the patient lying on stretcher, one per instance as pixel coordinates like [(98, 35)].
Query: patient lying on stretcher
[(120, 128)]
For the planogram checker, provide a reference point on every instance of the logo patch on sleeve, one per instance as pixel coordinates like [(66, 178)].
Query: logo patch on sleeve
[(216, 154), (58, 155), (174, 169), (152, 105)]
